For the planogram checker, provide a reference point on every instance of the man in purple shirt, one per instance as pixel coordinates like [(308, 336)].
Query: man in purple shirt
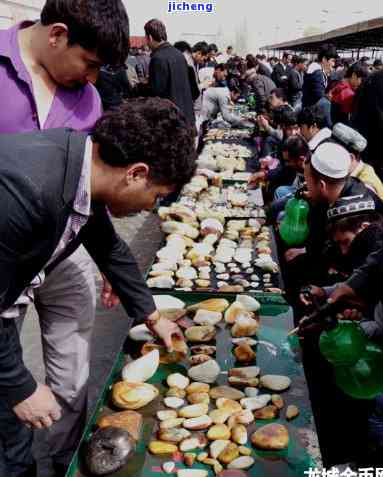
[(46, 73)]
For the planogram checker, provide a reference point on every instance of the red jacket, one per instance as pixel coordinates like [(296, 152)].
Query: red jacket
[(343, 95)]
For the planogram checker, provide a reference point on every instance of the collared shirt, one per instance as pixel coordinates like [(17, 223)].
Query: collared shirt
[(75, 108), (78, 109), (77, 219)]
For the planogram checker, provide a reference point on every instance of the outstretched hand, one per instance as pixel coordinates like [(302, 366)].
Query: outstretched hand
[(165, 330), (345, 293)]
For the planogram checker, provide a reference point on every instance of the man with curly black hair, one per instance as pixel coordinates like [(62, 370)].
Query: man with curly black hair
[(135, 156), (46, 73)]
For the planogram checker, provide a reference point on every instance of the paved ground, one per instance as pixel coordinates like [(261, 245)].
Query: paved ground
[(143, 235)]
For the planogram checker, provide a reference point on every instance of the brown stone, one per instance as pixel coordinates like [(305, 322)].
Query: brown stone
[(268, 412), (271, 437), (226, 392), (129, 420), (244, 353)]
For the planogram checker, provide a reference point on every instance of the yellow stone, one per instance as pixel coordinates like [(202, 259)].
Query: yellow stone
[(162, 448), (229, 454), (219, 432)]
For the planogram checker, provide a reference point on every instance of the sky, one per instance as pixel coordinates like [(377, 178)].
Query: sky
[(266, 22)]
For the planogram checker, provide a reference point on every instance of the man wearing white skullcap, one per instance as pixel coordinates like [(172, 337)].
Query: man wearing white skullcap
[(326, 172), (327, 176), (328, 180), (330, 187)]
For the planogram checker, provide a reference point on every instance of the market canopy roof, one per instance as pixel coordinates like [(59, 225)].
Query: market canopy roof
[(363, 35)]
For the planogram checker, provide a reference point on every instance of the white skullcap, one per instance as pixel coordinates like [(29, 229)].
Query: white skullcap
[(331, 160), (349, 137)]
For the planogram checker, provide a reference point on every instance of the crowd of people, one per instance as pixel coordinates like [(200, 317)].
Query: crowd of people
[(317, 133), (73, 152)]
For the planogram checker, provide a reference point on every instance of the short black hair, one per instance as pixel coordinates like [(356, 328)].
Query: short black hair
[(296, 147), (281, 116), (288, 118), (294, 59), (251, 62), (298, 60), (285, 55), (96, 25), (213, 47), (183, 46), (279, 93), (353, 222), (149, 130), (327, 51), (378, 62), (358, 69), (156, 29), (312, 116), (221, 67), (201, 46)]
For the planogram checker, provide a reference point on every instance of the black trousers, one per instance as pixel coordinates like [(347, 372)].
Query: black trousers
[(16, 458)]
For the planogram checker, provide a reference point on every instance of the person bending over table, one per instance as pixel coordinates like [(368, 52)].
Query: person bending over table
[(60, 198)]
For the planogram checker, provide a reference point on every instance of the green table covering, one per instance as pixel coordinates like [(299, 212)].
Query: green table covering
[(282, 357)]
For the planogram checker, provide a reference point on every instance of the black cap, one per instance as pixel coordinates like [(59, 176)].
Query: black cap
[(351, 205)]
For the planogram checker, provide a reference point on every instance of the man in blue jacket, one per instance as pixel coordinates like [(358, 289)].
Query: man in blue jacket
[(316, 77)]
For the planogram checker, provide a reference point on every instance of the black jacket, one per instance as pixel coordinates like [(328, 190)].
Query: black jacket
[(366, 280), (280, 75), (368, 118), (37, 196), (169, 78), (195, 91), (113, 87), (366, 242)]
